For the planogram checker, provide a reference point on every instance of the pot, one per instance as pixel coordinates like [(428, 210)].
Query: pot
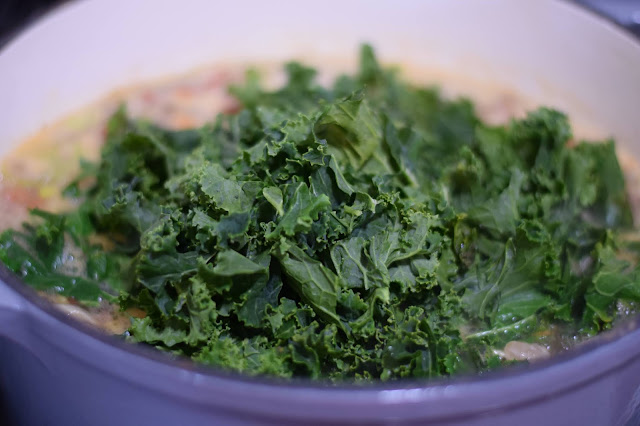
[(54, 370)]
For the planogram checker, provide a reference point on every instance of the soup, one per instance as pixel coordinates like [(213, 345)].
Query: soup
[(371, 230)]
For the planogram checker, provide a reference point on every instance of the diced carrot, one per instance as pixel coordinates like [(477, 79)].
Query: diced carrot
[(26, 197), (217, 79), (183, 121), (148, 96)]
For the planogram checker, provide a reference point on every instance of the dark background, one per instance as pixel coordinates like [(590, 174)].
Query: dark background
[(14, 14), (623, 12)]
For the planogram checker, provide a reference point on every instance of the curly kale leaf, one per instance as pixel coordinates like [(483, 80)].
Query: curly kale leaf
[(372, 230)]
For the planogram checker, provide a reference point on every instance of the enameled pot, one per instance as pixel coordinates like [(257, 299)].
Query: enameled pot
[(54, 371)]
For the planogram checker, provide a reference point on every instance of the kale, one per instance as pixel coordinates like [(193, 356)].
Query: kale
[(374, 230)]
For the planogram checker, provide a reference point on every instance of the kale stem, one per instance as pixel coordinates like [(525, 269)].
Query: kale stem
[(493, 331)]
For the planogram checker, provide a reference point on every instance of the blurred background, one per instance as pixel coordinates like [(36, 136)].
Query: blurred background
[(16, 13)]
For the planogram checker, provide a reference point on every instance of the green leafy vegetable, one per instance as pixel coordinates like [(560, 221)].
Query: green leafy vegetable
[(370, 231)]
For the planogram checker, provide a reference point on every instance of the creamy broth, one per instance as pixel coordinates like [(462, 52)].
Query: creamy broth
[(34, 173)]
